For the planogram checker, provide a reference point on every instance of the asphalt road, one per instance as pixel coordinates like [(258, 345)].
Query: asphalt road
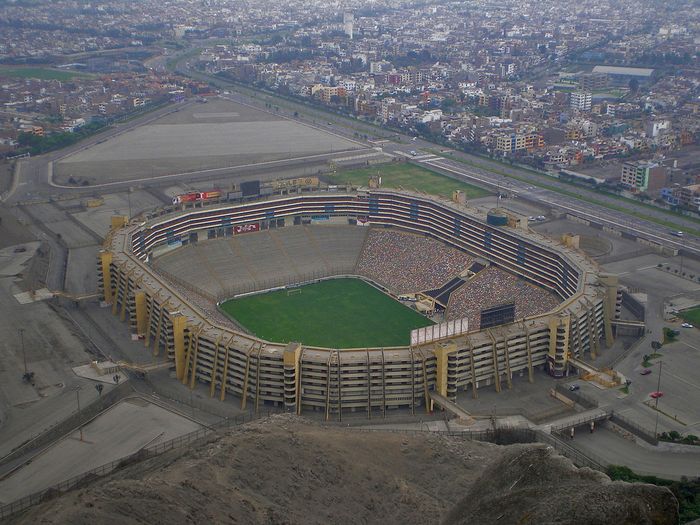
[(609, 446)]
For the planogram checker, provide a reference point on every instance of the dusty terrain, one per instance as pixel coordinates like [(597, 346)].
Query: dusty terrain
[(283, 470)]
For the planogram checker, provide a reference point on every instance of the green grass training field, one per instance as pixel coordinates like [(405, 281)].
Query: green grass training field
[(41, 73), (338, 313), (409, 177), (692, 315)]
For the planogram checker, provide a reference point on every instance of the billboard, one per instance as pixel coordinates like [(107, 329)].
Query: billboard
[(250, 188), (246, 228), (497, 315), (435, 332), (291, 183)]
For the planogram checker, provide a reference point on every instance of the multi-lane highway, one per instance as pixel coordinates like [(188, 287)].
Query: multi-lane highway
[(585, 210)]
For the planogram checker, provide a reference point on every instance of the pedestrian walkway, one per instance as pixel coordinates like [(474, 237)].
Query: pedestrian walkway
[(450, 406), (575, 420)]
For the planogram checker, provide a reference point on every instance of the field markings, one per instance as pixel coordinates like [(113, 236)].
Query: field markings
[(189, 173)]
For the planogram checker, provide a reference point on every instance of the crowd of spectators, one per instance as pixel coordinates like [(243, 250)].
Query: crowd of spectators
[(407, 263), (492, 287)]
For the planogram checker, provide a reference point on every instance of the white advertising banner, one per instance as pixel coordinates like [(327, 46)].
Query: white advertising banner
[(435, 332)]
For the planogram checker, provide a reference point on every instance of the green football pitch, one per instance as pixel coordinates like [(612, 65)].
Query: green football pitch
[(337, 313)]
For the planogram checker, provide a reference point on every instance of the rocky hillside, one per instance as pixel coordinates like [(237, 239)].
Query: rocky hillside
[(288, 470)]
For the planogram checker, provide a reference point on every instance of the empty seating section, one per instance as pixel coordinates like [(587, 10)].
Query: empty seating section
[(405, 262), (265, 259), (493, 286)]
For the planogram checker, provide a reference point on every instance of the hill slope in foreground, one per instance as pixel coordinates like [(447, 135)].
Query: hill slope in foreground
[(288, 470)]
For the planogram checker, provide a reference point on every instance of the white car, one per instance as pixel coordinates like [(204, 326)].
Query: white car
[(687, 325)]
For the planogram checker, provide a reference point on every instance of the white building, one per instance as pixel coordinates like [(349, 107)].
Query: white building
[(348, 23), (581, 100)]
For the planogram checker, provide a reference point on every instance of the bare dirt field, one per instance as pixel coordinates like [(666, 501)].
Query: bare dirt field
[(218, 134), (122, 430), (288, 470)]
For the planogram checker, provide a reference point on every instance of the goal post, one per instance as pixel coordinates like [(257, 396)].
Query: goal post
[(293, 291)]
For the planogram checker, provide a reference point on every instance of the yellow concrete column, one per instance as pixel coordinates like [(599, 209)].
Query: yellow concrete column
[(442, 352), (106, 261), (179, 324), (558, 325), (611, 283), (119, 221), (140, 301), (553, 325), (291, 360)]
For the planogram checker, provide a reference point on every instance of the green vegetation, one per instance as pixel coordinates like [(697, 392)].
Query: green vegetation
[(646, 360), (36, 145), (172, 62), (687, 491), (409, 177), (40, 73), (670, 335), (691, 315), (581, 197), (337, 313), (676, 437)]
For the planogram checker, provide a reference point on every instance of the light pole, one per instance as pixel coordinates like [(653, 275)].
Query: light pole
[(24, 354), (656, 406), (80, 423)]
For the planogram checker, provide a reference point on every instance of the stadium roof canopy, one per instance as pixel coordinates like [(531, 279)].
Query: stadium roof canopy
[(630, 71)]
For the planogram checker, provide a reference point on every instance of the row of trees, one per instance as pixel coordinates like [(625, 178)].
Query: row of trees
[(35, 144)]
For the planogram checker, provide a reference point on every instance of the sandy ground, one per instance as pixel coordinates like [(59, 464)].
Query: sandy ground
[(287, 470), (11, 231), (218, 134)]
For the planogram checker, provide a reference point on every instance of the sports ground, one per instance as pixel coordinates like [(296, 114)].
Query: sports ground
[(337, 313), (409, 177)]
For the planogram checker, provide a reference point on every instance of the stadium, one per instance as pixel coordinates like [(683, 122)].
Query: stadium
[(488, 301)]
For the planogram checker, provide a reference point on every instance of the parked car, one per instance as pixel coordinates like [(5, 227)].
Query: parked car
[(656, 395), (645, 372), (687, 325)]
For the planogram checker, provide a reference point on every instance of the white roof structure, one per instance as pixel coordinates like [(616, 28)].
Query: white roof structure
[(631, 71)]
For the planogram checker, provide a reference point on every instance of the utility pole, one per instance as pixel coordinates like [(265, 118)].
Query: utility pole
[(656, 406), (24, 353), (80, 423), (128, 196)]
